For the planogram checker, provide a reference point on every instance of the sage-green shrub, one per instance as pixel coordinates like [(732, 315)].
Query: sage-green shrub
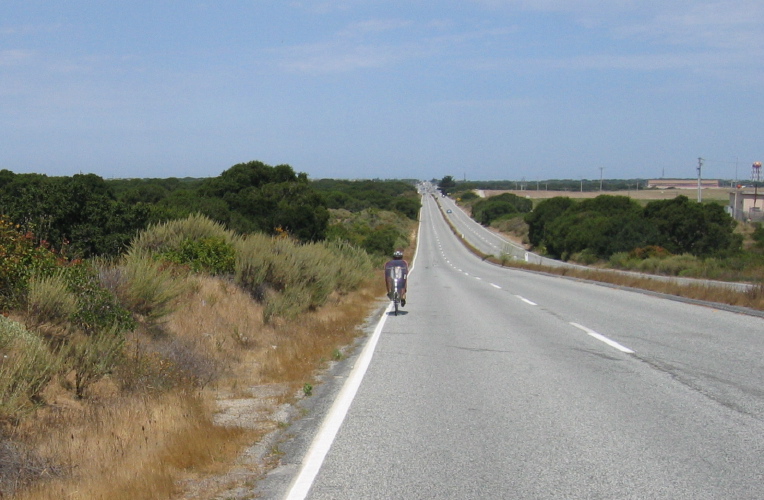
[(49, 299), (26, 367), (150, 286)]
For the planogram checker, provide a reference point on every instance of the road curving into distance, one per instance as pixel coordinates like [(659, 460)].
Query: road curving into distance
[(492, 243), (501, 383)]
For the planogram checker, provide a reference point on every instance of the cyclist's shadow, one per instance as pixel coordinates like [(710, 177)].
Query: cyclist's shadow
[(401, 312)]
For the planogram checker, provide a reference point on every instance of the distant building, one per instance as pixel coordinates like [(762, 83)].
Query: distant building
[(681, 184), (747, 204)]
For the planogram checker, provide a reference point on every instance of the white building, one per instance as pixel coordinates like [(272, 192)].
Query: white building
[(747, 204)]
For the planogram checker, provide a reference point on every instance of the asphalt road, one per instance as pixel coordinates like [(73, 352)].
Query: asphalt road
[(501, 383)]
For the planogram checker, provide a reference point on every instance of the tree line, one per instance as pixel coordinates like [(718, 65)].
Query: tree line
[(606, 225), (86, 215)]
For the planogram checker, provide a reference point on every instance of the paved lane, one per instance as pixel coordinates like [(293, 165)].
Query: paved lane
[(506, 384)]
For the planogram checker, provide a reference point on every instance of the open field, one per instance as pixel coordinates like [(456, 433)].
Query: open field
[(718, 194)]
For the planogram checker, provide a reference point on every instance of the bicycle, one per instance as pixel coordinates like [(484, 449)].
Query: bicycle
[(396, 278)]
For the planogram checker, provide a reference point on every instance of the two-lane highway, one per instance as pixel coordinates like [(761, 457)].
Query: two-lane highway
[(500, 383)]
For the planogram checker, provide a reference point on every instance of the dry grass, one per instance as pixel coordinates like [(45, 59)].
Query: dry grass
[(163, 444), (158, 423), (132, 449)]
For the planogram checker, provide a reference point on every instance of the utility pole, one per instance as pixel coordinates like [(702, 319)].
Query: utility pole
[(700, 167), (601, 169)]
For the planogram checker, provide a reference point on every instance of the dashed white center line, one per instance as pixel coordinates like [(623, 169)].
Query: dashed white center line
[(495, 286), (602, 338), (529, 302)]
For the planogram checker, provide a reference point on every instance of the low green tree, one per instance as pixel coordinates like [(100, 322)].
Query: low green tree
[(685, 226), (543, 215), (447, 185)]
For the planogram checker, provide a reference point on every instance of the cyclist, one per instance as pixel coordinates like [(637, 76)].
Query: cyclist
[(390, 266)]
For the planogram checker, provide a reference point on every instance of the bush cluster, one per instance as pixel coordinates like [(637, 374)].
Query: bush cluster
[(379, 232), (356, 196), (607, 225), (80, 211), (286, 275), (21, 255), (289, 277), (504, 205), (26, 367)]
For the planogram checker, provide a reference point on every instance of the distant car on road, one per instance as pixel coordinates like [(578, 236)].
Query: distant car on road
[(448, 211)]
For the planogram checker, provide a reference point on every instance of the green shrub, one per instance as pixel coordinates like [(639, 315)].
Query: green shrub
[(376, 231), (586, 257), (669, 266), (94, 356), (253, 263), (150, 286), (26, 367), (211, 254), (383, 240), (487, 210), (758, 234), (290, 277), (49, 299), (351, 264), (620, 260), (170, 236), (20, 257), (98, 305)]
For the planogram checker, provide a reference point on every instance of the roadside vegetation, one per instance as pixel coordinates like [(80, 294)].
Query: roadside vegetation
[(114, 364), (753, 298), (372, 214), (672, 236)]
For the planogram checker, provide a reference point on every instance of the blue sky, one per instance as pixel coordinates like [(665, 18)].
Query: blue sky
[(487, 89)]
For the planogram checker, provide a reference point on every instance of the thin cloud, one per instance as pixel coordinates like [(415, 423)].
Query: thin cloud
[(338, 58), (322, 7), (375, 26), (29, 29), (15, 57), (488, 104), (722, 25), (358, 46)]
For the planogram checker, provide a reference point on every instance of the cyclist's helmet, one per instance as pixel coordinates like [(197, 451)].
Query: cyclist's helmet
[(397, 254)]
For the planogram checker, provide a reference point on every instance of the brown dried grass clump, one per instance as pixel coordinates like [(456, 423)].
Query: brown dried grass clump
[(136, 448), (158, 444)]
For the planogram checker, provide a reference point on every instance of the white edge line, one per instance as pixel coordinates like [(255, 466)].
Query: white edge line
[(331, 425), (600, 337), (323, 441)]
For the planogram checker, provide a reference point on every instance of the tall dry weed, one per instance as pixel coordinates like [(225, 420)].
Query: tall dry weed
[(49, 299), (150, 288), (92, 357), (138, 448), (26, 367)]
